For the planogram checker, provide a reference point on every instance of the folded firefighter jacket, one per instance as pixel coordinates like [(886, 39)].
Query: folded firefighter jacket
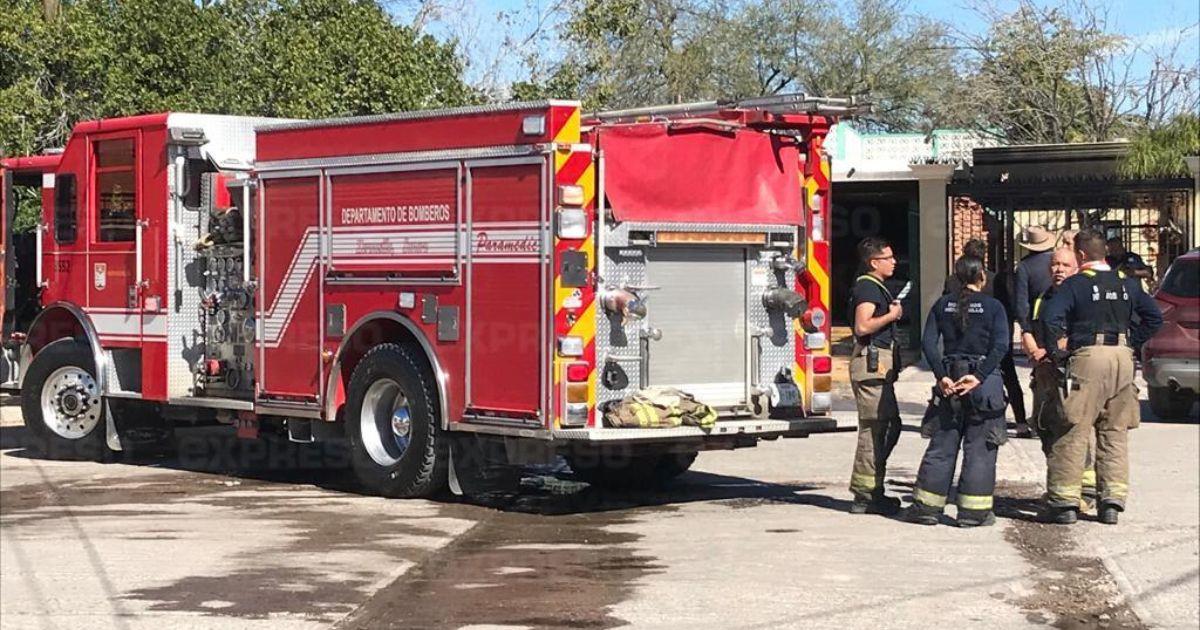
[(659, 407)]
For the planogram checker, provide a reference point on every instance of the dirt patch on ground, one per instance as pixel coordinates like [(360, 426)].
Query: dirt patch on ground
[(1070, 590)]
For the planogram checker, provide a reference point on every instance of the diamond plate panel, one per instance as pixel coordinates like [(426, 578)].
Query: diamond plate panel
[(778, 342), (626, 265), (230, 140), (623, 266)]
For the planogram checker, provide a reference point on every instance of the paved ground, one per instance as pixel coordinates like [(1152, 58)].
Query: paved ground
[(246, 535)]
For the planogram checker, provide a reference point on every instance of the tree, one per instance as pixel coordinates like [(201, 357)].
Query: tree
[(634, 52), (1159, 153), (1057, 73), (62, 62)]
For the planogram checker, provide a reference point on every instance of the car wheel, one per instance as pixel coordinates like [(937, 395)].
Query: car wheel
[(396, 443), (1171, 405), (62, 404)]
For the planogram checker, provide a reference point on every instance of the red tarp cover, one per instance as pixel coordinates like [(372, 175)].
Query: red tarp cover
[(695, 174)]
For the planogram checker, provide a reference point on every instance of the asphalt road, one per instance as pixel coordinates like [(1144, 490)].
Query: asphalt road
[(232, 534)]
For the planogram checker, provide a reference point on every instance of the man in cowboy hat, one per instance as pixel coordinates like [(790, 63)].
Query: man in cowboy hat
[(1033, 272), (1032, 279)]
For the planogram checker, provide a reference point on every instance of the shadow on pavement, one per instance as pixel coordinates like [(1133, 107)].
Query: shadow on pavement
[(546, 490), (1148, 415)]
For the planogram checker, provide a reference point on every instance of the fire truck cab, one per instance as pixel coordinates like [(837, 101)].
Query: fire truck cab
[(422, 283)]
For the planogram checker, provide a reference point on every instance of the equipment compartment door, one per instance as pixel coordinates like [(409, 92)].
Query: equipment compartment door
[(288, 252), (506, 309), (700, 307)]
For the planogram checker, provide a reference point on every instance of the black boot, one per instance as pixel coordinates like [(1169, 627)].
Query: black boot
[(1062, 516), (1109, 513), (976, 518), (886, 506), (922, 514)]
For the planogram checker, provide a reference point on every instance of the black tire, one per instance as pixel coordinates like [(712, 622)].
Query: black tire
[(1170, 405), (41, 439), (420, 467), (631, 473), (671, 465)]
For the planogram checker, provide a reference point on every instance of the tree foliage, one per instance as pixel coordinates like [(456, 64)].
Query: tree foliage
[(1160, 152), (631, 52), (1058, 73), (288, 58), (1039, 72), (86, 59)]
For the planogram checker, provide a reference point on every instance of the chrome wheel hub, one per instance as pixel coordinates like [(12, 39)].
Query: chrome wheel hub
[(70, 402), (385, 422)]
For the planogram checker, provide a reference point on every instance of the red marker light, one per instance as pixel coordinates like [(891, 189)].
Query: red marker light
[(578, 372), (822, 365)]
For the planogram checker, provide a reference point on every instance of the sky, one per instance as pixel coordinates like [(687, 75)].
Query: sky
[(489, 23)]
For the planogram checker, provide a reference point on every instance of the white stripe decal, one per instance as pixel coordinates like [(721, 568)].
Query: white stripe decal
[(509, 242)]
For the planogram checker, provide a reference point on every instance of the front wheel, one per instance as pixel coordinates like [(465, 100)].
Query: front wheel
[(396, 443), (62, 405)]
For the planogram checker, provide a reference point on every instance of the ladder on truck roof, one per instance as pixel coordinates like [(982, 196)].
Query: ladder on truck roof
[(797, 103)]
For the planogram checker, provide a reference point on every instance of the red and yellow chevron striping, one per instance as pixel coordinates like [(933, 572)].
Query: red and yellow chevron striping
[(574, 307)]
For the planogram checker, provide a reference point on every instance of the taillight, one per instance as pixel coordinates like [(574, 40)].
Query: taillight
[(822, 365), (578, 372)]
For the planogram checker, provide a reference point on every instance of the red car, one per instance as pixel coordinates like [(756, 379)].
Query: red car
[(1171, 360)]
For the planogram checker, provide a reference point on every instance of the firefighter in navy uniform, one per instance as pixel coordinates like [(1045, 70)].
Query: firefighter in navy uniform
[(967, 410), (1093, 310)]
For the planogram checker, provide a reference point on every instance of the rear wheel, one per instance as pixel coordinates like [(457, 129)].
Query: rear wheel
[(62, 405), (628, 473), (1171, 405), (396, 443)]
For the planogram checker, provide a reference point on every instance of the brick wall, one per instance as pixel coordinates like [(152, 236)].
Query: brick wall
[(966, 223)]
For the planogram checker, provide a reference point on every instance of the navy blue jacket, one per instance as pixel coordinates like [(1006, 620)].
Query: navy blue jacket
[(986, 333), (1073, 302), (1032, 278)]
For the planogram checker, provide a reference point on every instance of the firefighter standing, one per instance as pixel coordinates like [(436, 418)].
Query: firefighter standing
[(1047, 382), (968, 407), (1093, 310), (872, 373), (999, 287)]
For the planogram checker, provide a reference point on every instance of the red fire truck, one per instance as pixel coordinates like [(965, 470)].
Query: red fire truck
[(418, 282)]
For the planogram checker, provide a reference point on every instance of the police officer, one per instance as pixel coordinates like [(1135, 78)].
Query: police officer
[(1093, 310), (1047, 382), (872, 374), (967, 410)]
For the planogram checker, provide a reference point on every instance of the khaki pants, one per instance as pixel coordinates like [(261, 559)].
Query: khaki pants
[(1101, 405), (1050, 421), (878, 422)]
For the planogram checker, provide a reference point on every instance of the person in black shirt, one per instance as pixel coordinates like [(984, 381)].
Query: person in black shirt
[(997, 286), (1126, 261), (967, 410), (872, 373)]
